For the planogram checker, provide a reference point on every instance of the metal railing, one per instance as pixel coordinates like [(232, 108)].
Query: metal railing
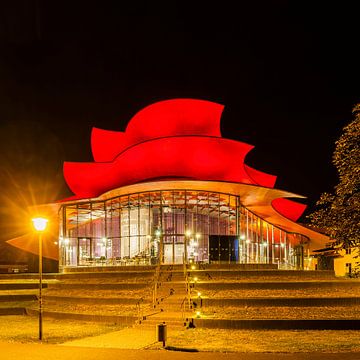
[(140, 311), (187, 286), (184, 308), (156, 285)]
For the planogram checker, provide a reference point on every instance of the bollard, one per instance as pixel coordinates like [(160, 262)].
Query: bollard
[(162, 333)]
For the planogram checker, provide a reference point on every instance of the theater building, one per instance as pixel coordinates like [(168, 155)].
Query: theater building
[(170, 189)]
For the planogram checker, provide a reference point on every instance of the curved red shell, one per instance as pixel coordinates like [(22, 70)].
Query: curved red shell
[(178, 138)]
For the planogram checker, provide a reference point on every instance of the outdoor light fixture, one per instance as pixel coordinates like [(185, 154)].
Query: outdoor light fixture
[(40, 224), (157, 232), (248, 241), (198, 314), (242, 237), (197, 236), (199, 294), (188, 232), (193, 267)]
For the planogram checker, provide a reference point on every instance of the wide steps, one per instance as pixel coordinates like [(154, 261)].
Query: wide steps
[(278, 302), (228, 285), (97, 286)]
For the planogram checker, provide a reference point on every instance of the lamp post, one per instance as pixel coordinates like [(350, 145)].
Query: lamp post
[(40, 226)]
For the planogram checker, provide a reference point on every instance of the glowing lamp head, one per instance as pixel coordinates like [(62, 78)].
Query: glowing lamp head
[(199, 294), (193, 267), (188, 232), (39, 223), (198, 314)]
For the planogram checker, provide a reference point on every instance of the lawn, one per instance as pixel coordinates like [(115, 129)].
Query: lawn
[(25, 329)]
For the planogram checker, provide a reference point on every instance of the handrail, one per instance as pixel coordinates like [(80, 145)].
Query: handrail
[(187, 285), (156, 284), (183, 306), (139, 310)]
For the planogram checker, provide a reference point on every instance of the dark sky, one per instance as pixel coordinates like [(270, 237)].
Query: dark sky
[(286, 71)]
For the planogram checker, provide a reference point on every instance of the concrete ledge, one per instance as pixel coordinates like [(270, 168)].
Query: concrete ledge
[(238, 285), (297, 274), (12, 311), (232, 266), (27, 276), (279, 324), (96, 286), (115, 319), (19, 297), (97, 269), (93, 300), (101, 275), (21, 286), (270, 301)]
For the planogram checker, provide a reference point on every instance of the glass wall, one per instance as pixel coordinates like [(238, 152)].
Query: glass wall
[(171, 226)]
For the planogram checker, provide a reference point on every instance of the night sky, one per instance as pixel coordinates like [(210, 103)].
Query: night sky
[(286, 71)]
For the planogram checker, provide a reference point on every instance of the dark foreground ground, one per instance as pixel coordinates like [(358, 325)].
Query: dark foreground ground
[(17, 351)]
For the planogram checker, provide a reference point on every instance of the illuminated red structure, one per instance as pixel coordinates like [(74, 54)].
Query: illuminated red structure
[(170, 189)]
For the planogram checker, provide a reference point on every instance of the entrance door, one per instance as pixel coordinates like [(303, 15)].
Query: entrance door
[(168, 253), (177, 257), (223, 248), (179, 253), (84, 251)]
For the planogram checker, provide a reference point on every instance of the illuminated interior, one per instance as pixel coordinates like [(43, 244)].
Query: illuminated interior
[(170, 226)]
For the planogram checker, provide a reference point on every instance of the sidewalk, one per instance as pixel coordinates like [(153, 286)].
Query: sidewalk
[(127, 338), (16, 351)]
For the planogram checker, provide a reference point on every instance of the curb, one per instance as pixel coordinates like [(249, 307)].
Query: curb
[(115, 319), (17, 297), (276, 285), (279, 324), (276, 302), (12, 311)]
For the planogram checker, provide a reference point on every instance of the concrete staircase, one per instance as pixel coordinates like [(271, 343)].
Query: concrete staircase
[(172, 306)]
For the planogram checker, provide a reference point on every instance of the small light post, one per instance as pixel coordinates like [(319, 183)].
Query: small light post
[(40, 226)]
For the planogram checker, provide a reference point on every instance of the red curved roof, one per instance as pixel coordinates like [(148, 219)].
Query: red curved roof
[(178, 138)]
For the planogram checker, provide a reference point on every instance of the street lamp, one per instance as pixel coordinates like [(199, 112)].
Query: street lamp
[(40, 226)]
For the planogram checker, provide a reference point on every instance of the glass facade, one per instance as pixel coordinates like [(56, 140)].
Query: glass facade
[(172, 226)]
